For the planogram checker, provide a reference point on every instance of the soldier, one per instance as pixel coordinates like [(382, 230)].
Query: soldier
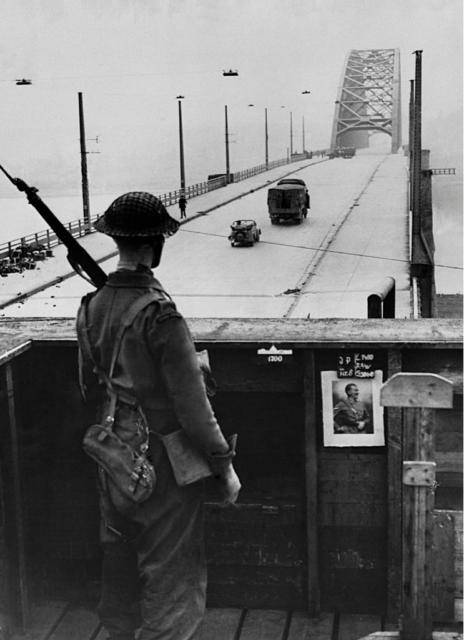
[(154, 570)]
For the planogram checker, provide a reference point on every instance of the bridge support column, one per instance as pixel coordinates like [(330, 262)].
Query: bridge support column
[(422, 266)]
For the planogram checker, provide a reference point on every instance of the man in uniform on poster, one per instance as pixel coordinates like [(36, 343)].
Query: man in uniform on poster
[(351, 415)]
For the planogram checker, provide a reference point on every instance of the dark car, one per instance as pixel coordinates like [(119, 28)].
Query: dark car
[(292, 181), (244, 232)]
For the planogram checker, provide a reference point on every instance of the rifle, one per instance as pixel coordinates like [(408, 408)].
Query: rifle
[(78, 257)]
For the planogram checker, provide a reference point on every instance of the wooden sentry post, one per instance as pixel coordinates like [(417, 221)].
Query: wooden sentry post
[(419, 395)]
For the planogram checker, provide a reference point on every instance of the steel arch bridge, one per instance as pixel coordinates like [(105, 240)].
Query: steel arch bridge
[(369, 99)]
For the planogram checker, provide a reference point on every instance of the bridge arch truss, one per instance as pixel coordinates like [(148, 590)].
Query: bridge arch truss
[(369, 99)]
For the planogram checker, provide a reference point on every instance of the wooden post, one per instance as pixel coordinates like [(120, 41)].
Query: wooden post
[(419, 395), (314, 607), (395, 461), (18, 500)]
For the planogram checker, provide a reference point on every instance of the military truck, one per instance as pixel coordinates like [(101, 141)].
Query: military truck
[(347, 152), (288, 200), (342, 152)]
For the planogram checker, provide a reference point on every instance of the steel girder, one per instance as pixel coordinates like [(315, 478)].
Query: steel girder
[(369, 98)]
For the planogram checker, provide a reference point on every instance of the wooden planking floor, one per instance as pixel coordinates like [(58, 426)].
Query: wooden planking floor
[(61, 621)]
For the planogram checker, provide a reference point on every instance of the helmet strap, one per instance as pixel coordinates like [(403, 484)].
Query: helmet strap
[(157, 244)]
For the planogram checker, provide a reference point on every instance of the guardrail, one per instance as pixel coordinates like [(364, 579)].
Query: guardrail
[(247, 173), (48, 238), (194, 190), (79, 228)]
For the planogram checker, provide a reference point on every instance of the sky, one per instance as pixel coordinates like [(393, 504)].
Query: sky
[(130, 59)]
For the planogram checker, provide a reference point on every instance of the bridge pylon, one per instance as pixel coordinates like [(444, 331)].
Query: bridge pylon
[(368, 99)]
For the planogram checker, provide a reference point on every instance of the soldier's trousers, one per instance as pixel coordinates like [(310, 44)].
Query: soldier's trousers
[(154, 567)]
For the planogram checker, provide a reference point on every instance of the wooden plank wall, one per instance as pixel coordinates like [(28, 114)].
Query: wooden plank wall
[(353, 515), (458, 553), (9, 587), (58, 481), (353, 531), (447, 566), (257, 551), (443, 567), (449, 458), (250, 564)]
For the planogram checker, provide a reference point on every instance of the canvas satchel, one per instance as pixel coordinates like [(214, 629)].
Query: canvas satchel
[(129, 468)]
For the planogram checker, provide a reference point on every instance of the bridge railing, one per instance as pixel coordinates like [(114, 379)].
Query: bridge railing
[(48, 238), (80, 227), (194, 190), (248, 173)]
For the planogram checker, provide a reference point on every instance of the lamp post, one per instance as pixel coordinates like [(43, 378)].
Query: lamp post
[(304, 141), (227, 149), (291, 135), (303, 137), (266, 137), (181, 147), (85, 181)]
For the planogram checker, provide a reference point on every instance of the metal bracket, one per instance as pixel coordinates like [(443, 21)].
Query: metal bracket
[(419, 474)]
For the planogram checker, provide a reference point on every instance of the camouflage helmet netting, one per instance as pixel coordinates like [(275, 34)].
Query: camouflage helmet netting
[(137, 214)]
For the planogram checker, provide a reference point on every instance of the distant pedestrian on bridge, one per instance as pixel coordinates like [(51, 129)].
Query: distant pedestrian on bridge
[(182, 206), (154, 566)]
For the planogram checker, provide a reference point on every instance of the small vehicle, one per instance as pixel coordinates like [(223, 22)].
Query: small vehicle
[(347, 152), (292, 181), (244, 232), (342, 152), (288, 200)]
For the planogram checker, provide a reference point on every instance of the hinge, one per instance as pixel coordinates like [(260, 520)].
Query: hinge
[(419, 473)]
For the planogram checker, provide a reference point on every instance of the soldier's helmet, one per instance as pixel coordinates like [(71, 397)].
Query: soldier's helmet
[(137, 214)]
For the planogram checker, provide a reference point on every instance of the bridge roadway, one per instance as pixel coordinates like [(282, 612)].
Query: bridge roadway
[(355, 235)]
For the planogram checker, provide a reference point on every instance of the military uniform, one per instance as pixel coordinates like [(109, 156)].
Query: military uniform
[(182, 206), (347, 416), (154, 569)]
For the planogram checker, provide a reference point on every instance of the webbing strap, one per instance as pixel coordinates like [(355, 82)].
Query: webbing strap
[(127, 319)]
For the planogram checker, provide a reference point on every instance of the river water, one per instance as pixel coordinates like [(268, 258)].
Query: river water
[(18, 218)]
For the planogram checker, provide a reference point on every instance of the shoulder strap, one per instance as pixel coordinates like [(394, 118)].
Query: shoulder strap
[(127, 319)]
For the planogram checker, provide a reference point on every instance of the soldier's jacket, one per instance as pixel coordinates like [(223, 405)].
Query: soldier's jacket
[(157, 361)]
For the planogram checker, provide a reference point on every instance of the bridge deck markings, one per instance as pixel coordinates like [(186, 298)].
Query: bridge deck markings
[(208, 278), (378, 226)]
